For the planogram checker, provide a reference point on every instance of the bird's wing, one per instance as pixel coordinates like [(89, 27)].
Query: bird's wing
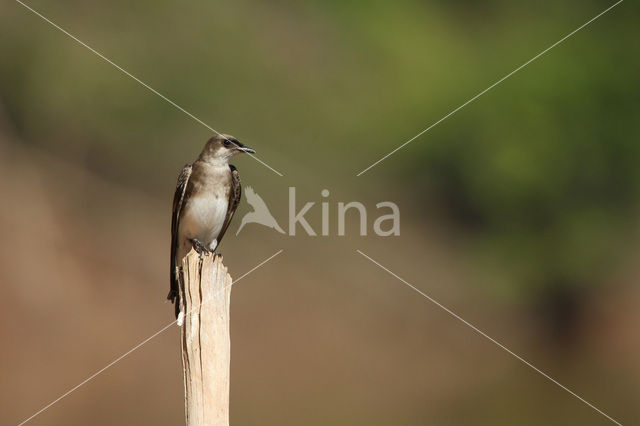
[(234, 199), (178, 198)]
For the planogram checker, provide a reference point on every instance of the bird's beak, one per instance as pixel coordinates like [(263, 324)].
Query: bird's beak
[(245, 149)]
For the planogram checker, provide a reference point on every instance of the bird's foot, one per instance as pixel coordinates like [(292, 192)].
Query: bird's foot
[(200, 248)]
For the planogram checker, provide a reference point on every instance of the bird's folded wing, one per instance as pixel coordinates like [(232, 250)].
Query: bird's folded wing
[(234, 199), (178, 199)]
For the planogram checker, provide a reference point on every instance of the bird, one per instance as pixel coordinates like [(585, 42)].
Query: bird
[(260, 213), (207, 195)]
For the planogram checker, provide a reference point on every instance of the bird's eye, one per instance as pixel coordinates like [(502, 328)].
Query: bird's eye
[(226, 142)]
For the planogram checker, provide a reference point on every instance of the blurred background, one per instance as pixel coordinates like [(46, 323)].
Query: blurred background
[(520, 212)]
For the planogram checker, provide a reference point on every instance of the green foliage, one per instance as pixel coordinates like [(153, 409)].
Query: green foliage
[(543, 169), (545, 174)]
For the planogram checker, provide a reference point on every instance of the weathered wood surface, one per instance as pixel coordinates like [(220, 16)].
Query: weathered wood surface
[(205, 340)]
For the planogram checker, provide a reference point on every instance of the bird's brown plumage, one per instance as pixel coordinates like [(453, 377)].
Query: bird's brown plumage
[(234, 199), (178, 197), (184, 188)]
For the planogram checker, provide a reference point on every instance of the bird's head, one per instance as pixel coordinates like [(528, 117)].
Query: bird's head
[(221, 148)]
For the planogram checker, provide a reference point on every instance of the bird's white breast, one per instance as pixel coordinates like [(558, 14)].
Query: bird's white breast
[(206, 209), (204, 217)]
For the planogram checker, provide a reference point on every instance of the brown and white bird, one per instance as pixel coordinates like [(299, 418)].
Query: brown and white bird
[(207, 195)]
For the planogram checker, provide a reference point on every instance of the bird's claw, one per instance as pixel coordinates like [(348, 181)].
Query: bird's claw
[(200, 248)]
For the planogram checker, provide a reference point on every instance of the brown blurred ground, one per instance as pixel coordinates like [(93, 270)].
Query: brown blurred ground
[(319, 336)]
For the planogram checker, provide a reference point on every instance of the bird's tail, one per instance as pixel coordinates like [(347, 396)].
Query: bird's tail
[(174, 289)]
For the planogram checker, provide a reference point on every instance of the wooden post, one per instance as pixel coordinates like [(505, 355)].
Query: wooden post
[(206, 292)]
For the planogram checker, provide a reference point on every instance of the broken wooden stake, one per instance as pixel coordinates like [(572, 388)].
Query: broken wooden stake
[(206, 295)]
